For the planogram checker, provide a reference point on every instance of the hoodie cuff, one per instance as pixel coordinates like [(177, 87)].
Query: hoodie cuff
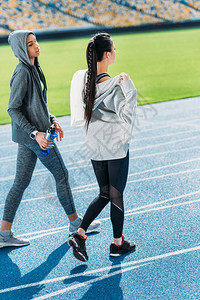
[(52, 119)]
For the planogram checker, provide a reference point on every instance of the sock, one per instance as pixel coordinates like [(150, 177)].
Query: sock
[(76, 222), (5, 232)]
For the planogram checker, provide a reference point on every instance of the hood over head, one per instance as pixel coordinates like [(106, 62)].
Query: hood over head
[(17, 40)]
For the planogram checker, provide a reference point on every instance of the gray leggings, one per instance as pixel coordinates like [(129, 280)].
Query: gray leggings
[(26, 161)]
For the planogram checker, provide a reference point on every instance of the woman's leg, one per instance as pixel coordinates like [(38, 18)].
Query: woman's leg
[(118, 172), (77, 240), (26, 160), (54, 163), (96, 206)]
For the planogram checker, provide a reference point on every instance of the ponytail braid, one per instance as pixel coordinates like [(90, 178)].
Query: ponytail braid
[(99, 44), (90, 86)]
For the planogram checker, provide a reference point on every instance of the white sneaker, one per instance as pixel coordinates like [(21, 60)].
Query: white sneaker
[(93, 226), (9, 240)]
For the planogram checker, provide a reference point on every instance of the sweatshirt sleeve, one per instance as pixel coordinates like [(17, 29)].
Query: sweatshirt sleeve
[(124, 101), (18, 90)]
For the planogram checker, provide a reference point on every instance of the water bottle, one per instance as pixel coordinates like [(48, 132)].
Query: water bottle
[(50, 136)]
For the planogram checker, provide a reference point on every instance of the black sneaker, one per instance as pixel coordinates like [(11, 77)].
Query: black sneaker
[(78, 244), (126, 247)]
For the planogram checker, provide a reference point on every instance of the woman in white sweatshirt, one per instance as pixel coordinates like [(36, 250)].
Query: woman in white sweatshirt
[(109, 106)]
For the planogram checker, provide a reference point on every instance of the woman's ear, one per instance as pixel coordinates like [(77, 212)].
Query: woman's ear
[(107, 54)]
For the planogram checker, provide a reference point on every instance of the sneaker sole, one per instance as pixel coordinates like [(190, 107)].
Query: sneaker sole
[(77, 254), (13, 245), (122, 253)]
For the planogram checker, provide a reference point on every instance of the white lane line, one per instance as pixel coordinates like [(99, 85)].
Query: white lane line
[(68, 129), (136, 263), (48, 281), (133, 140), (8, 158), (79, 285), (153, 145), (155, 209), (164, 167), (37, 198), (163, 144), (139, 180), (93, 186), (163, 153), (177, 133), (131, 158), (163, 207), (45, 171), (164, 135), (135, 211), (13, 157), (169, 123), (45, 231), (12, 144), (137, 208), (165, 175), (85, 189), (163, 201), (189, 124), (45, 234), (60, 229)]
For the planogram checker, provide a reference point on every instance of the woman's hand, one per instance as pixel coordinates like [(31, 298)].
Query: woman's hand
[(124, 77), (43, 143), (58, 130)]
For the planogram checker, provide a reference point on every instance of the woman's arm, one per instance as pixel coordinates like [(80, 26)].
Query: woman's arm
[(125, 105), (18, 90), (124, 100)]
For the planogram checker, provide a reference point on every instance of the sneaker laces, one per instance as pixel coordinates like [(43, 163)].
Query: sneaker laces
[(14, 236), (12, 233)]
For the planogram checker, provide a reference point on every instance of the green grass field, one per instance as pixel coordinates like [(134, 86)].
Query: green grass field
[(163, 66)]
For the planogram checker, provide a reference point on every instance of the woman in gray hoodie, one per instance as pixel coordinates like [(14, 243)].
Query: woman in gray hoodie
[(109, 106), (30, 120)]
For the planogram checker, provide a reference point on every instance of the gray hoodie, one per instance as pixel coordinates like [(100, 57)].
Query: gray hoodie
[(113, 116), (28, 103)]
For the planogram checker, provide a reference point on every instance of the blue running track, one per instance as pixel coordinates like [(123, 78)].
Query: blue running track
[(162, 215)]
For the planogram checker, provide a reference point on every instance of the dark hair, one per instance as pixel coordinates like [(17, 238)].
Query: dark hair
[(99, 44), (40, 72)]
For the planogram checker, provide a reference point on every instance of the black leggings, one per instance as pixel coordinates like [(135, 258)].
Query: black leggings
[(112, 177)]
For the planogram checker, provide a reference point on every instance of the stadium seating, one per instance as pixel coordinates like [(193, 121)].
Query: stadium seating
[(55, 14), (192, 3), (102, 13), (167, 10), (18, 14)]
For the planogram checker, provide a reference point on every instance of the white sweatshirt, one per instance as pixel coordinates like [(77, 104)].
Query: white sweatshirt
[(113, 117)]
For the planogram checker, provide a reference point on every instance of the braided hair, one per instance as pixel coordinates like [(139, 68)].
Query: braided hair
[(99, 44)]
